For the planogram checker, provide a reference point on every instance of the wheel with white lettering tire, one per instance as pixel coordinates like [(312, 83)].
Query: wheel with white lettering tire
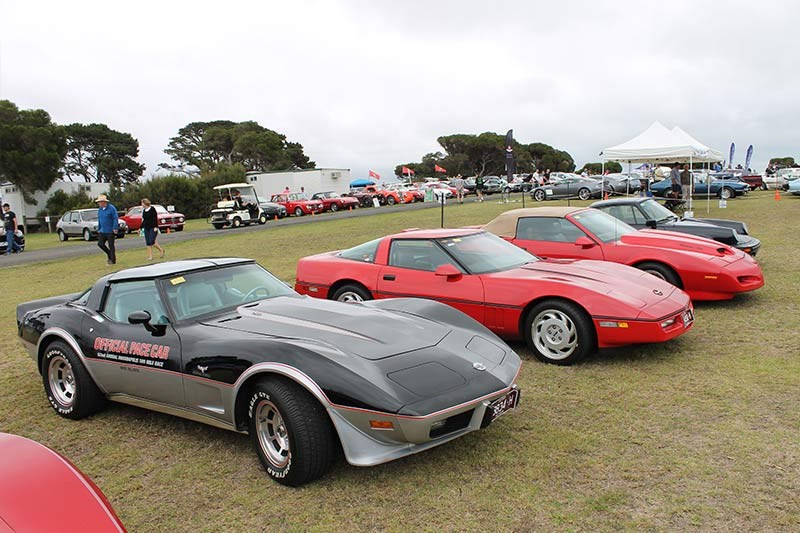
[(291, 431), (62, 236), (538, 195), (584, 193), (351, 293), (69, 387), (559, 332), (661, 271), (87, 235)]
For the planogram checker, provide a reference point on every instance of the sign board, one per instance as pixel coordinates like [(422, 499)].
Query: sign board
[(47, 220)]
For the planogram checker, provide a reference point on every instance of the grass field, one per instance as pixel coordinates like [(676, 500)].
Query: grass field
[(701, 433)]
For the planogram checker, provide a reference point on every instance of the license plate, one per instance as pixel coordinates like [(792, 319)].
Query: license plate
[(502, 405), (688, 317)]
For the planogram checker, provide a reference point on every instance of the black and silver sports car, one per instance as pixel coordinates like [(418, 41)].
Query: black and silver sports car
[(222, 341), (648, 213), (571, 186)]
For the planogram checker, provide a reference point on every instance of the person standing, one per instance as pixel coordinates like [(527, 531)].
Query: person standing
[(107, 226), (686, 183), (150, 229), (675, 177), (479, 187), (458, 182), (10, 225)]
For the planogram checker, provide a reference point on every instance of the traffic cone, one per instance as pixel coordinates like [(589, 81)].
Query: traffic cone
[(169, 230), (777, 194), (605, 195)]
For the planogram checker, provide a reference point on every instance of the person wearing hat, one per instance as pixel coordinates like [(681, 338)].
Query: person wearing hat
[(107, 226)]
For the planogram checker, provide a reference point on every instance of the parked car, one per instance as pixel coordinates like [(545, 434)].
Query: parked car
[(83, 223), (495, 185), (297, 204), (29, 471), (408, 193), (754, 181), (705, 269), (642, 213), (439, 189), (167, 220), (794, 187), (238, 206), (222, 341), (619, 183), (705, 185), (19, 238), (332, 201), (273, 210), (563, 310), (787, 176), (570, 186)]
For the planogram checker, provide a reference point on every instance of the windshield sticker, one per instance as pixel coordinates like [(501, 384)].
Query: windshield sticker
[(178, 280)]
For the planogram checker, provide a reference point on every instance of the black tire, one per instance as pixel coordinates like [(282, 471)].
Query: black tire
[(298, 212), (584, 193), (726, 193), (62, 236), (218, 226), (70, 389), (334, 207), (291, 432), (351, 293), (179, 228), (236, 222), (764, 187), (661, 271), (87, 235), (539, 195), (559, 332), (120, 235), (262, 219), (390, 200)]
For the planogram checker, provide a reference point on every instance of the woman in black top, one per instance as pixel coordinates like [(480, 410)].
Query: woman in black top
[(150, 228)]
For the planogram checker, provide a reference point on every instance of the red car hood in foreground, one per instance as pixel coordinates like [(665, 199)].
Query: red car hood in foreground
[(42, 491)]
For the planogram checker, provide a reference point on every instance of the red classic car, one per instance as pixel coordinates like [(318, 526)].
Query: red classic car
[(564, 309), (166, 220), (332, 201), (42, 491), (297, 204), (706, 269)]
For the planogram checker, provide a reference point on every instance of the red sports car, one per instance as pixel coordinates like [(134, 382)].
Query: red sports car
[(297, 204), (332, 201), (166, 220), (564, 309), (706, 269), (42, 491)]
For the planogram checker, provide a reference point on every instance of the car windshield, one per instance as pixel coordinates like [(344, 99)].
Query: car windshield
[(161, 209), (89, 215), (602, 225), (198, 293), (483, 252), (655, 211)]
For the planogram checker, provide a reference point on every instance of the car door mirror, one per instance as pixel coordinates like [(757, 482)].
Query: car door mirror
[(143, 318), (448, 271), (650, 223), (584, 242)]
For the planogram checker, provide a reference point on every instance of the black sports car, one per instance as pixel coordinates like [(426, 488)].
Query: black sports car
[(222, 341), (273, 210), (646, 212)]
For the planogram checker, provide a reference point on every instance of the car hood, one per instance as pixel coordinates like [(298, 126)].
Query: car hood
[(629, 285), (364, 331), (682, 242)]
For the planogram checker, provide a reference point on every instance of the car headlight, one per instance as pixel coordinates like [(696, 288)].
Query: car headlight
[(94, 226), (180, 219), (163, 220)]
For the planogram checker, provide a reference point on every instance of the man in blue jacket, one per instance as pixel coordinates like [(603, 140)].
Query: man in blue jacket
[(107, 226)]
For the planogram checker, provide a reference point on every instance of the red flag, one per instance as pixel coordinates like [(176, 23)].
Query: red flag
[(437, 168), (406, 170), (373, 174)]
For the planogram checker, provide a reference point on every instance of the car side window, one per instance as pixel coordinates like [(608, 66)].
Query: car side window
[(124, 298), (626, 213), (136, 211), (417, 254), (548, 229)]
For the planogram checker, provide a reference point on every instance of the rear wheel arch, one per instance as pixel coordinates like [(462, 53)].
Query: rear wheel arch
[(343, 282), (49, 338)]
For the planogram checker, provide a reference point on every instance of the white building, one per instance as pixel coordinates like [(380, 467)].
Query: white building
[(27, 212), (312, 180)]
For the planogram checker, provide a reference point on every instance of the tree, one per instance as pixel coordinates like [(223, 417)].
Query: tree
[(32, 149), (782, 162), (546, 157), (204, 145), (96, 153), (597, 168), (61, 202)]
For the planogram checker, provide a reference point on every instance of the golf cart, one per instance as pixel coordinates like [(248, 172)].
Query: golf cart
[(238, 205)]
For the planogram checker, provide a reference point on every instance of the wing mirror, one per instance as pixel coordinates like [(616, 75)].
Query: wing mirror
[(448, 271), (650, 223), (143, 317), (584, 242)]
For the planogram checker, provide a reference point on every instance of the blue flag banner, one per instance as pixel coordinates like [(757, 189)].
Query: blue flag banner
[(748, 157), (730, 159)]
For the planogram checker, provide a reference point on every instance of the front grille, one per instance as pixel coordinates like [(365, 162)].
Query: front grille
[(454, 423)]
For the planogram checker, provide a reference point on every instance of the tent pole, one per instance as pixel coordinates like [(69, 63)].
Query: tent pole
[(691, 183), (708, 191)]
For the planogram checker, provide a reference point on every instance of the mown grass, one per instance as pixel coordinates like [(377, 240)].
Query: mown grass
[(701, 433)]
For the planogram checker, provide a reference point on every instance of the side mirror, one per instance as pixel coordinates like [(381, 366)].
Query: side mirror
[(143, 317), (650, 223), (448, 271), (584, 242)]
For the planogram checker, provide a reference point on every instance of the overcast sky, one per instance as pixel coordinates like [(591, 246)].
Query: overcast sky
[(371, 84)]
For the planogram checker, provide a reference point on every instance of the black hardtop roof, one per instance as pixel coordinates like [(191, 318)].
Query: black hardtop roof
[(622, 201), (171, 268)]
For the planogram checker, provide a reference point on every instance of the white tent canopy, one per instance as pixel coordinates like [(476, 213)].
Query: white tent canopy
[(658, 144)]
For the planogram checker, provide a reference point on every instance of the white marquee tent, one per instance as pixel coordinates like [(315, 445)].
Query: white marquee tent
[(657, 144)]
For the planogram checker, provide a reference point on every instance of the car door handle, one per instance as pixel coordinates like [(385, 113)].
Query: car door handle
[(389, 277)]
